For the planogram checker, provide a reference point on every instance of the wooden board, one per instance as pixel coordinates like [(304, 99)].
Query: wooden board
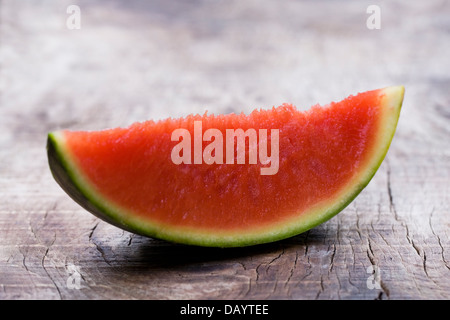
[(135, 60)]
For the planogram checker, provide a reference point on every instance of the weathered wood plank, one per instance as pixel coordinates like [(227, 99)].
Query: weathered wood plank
[(138, 60)]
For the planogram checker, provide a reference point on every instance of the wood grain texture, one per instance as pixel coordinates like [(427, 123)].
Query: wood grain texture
[(138, 60)]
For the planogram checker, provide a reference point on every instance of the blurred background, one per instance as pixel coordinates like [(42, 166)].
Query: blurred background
[(99, 64), (137, 60)]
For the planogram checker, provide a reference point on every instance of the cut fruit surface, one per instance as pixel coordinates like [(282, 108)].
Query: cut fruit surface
[(326, 156)]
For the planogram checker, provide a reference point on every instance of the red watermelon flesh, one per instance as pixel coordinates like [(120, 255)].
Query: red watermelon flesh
[(327, 155)]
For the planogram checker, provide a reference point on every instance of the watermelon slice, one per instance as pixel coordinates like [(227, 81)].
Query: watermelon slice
[(323, 158)]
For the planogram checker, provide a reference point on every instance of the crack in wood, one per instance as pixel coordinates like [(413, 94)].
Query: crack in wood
[(438, 239), (46, 271), (292, 269)]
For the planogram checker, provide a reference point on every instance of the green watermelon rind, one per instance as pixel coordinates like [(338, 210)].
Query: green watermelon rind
[(69, 177)]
